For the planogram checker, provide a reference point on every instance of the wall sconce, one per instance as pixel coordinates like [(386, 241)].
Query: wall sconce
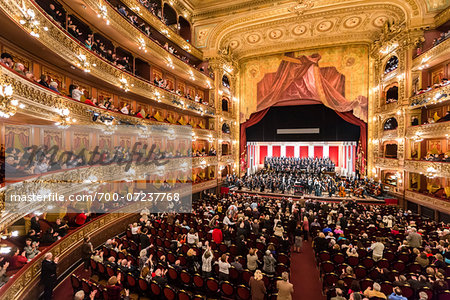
[(142, 45), (103, 13), (83, 63), (31, 23), (64, 119), (431, 173), (8, 105), (124, 84)]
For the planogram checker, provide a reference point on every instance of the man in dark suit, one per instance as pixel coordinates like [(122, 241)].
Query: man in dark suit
[(48, 275)]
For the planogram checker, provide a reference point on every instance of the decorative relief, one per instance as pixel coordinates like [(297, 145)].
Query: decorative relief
[(352, 22), (275, 34), (324, 26), (253, 38), (299, 30)]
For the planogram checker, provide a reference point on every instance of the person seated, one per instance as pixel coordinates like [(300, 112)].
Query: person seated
[(61, 227), (31, 248), (50, 236), (53, 85)]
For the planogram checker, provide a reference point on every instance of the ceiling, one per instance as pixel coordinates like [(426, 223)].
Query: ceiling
[(257, 27)]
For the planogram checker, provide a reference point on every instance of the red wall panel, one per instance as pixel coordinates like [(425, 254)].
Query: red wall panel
[(276, 151), (289, 151), (303, 151), (334, 154), (262, 153), (318, 151)]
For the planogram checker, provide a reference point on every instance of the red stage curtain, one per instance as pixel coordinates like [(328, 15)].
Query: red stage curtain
[(334, 154), (304, 151), (349, 117), (254, 119), (289, 151), (276, 151), (262, 153), (318, 151)]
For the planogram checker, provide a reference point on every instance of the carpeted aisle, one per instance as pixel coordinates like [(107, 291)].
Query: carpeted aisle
[(305, 276)]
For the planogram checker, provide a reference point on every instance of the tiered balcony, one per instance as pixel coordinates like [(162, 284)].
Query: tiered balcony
[(70, 50), (156, 23), (426, 131), (424, 166), (432, 56), (387, 163), (430, 98), (427, 200), (43, 103)]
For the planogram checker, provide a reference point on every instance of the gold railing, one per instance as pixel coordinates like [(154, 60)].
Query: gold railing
[(156, 23), (428, 201), (198, 187), (442, 169), (433, 130), (434, 96), (387, 163), (43, 103), (441, 50)]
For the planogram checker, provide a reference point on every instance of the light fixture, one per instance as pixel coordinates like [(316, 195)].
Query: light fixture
[(8, 105), (124, 84), (170, 63), (431, 172), (103, 13), (187, 48), (142, 45), (64, 118), (83, 63)]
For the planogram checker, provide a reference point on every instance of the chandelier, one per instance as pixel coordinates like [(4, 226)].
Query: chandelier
[(103, 13), (83, 63), (431, 172), (124, 84), (8, 105), (64, 120), (29, 21)]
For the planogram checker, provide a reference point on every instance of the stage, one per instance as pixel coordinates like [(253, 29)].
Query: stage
[(324, 198)]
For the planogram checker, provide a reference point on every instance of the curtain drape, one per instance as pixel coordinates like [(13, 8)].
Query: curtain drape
[(254, 119)]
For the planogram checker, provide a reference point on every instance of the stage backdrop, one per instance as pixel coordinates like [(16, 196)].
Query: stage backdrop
[(283, 78), (336, 77)]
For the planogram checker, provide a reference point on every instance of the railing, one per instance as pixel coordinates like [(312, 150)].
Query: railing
[(434, 96), (442, 49), (43, 102), (25, 283), (388, 163), (442, 169), (432, 130), (427, 200)]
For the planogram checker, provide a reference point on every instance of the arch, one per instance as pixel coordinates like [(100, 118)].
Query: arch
[(404, 10), (391, 64), (391, 93), (185, 30), (225, 104), (390, 124), (170, 16), (225, 128), (225, 81)]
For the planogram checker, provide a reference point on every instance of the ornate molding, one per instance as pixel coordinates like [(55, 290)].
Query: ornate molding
[(421, 166), (387, 163), (439, 52), (431, 202), (204, 186), (434, 130), (69, 49)]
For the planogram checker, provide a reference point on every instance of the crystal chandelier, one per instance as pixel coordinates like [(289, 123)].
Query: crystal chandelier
[(8, 105)]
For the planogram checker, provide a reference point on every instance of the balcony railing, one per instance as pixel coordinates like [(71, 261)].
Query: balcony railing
[(387, 163), (43, 102), (427, 200), (442, 169), (432, 97), (433, 130)]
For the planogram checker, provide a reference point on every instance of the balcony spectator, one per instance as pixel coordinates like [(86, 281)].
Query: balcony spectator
[(75, 92), (43, 81), (48, 275), (20, 68), (53, 85), (31, 248), (3, 277), (18, 260), (7, 59)]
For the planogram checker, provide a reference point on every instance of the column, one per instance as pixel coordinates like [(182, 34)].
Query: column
[(269, 150), (296, 150), (326, 150), (283, 150), (311, 150)]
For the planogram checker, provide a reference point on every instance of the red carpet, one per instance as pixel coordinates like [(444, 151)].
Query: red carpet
[(64, 290), (305, 276)]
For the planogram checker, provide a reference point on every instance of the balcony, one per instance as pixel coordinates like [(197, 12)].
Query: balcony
[(423, 166), (43, 103), (389, 134), (426, 131), (428, 201), (69, 49), (156, 23), (432, 56), (430, 98)]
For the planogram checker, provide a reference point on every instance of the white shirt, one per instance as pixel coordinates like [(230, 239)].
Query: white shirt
[(76, 94)]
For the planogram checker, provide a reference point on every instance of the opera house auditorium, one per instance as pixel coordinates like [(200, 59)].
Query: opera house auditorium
[(237, 150)]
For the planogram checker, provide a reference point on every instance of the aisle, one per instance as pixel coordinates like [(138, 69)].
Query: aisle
[(305, 276)]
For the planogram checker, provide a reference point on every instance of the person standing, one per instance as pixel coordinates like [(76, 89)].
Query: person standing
[(285, 288), (86, 251), (257, 287), (48, 275)]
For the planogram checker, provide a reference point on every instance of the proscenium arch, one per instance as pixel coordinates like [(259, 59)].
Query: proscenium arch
[(405, 11)]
